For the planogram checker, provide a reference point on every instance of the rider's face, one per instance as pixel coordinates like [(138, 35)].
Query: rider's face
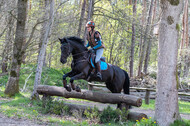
[(88, 29)]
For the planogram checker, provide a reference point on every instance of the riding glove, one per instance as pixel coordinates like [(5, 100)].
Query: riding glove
[(91, 50)]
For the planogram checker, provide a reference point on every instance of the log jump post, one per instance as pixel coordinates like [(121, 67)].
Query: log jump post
[(91, 86), (111, 98)]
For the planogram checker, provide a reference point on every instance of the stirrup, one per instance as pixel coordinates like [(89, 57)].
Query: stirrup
[(99, 75)]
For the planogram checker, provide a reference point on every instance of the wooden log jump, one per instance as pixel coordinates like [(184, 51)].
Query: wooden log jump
[(147, 90), (81, 108), (131, 115), (112, 98)]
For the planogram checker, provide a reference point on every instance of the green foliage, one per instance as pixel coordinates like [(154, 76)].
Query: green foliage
[(3, 80), (54, 107), (110, 115), (50, 76), (181, 123), (146, 122), (170, 20), (92, 113), (178, 27), (153, 75), (174, 2)]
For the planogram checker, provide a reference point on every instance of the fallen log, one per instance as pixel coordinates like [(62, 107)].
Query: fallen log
[(112, 98), (136, 116), (81, 109)]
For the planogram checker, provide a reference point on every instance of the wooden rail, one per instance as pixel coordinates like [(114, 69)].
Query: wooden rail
[(147, 90)]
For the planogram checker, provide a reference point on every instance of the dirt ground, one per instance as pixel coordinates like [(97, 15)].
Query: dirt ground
[(5, 121)]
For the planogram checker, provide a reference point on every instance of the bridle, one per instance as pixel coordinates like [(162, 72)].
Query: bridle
[(76, 61)]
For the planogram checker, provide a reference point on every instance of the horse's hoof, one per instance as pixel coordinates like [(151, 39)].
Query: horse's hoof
[(78, 89), (68, 88)]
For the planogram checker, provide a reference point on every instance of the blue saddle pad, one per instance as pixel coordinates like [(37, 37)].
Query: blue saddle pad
[(103, 65)]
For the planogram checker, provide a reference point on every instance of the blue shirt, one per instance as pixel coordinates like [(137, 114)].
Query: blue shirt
[(95, 47)]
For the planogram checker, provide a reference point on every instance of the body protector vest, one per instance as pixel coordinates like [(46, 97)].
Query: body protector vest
[(94, 38)]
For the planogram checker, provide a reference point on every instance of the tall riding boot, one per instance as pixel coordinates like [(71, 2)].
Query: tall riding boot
[(99, 75)]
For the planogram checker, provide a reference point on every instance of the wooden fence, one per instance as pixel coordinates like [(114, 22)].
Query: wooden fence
[(147, 90)]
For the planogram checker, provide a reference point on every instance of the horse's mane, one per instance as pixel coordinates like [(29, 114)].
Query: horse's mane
[(76, 39)]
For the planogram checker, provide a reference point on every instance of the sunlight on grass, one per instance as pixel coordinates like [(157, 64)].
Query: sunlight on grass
[(184, 107), (20, 106)]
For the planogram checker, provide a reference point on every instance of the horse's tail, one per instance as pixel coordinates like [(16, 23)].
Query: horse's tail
[(126, 83)]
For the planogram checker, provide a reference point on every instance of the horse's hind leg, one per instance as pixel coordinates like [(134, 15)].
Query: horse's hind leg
[(114, 88)]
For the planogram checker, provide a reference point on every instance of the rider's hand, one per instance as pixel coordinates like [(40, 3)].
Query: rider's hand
[(91, 50)]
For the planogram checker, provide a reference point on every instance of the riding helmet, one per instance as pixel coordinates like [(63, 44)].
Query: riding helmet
[(90, 24)]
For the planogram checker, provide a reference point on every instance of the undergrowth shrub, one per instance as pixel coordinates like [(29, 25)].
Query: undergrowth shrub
[(54, 107), (181, 123), (92, 114), (146, 122), (110, 115)]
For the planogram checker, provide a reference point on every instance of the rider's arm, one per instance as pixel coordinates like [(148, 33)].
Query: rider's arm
[(87, 45), (98, 45)]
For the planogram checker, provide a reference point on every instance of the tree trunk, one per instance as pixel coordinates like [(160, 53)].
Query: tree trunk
[(7, 45), (166, 105), (12, 86), (112, 98), (149, 43), (133, 39), (185, 41), (185, 37), (186, 65), (41, 56), (89, 16), (50, 54), (45, 17), (81, 17), (142, 42)]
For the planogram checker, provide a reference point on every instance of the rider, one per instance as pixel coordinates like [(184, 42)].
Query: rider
[(95, 41)]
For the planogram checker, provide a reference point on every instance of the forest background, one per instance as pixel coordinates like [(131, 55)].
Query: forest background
[(129, 30)]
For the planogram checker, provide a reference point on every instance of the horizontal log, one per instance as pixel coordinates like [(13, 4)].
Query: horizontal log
[(112, 98), (138, 88), (136, 116)]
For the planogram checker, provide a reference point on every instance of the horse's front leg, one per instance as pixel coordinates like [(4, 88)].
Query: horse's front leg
[(69, 74), (76, 77)]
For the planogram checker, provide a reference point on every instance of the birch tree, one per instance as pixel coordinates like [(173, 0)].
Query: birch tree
[(48, 25), (89, 16), (142, 42), (81, 17), (185, 41), (12, 86), (148, 49), (133, 39), (166, 105)]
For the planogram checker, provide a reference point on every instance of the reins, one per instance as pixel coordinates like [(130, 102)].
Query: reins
[(80, 53)]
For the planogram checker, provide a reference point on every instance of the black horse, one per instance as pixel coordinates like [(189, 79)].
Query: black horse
[(115, 78)]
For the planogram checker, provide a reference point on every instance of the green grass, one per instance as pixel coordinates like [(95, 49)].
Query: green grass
[(50, 76), (184, 107), (21, 106)]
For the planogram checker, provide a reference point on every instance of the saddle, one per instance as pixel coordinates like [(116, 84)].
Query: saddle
[(103, 64)]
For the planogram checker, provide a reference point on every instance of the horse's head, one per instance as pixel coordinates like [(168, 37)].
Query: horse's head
[(65, 50)]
